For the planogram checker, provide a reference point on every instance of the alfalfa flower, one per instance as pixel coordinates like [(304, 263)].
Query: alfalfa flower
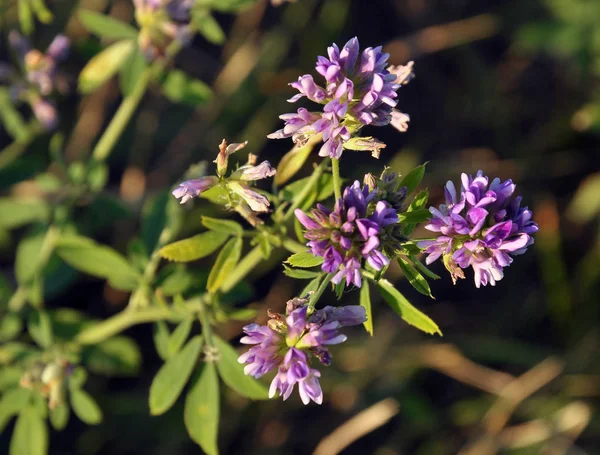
[(360, 90), (482, 226), (290, 341)]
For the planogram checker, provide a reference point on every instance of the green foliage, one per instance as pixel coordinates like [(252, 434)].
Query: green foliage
[(405, 309), (193, 248), (224, 265), (225, 6), (299, 274), (10, 327), (39, 327), (19, 212), (131, 71), (365, 302), (10, 117), (413, 276), (30, 435), (232, 373), (85, 407), (227, 226), (105, 65), (304, 260), (292, 162), (117, 356), (179, 337), (106, 26), (207, 26), (412, 180), (180, 88), (11, 403), (201, 413), (172, 377)]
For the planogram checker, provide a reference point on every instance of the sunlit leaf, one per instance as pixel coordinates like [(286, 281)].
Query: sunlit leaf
[(365, 302), (131, 71), (299, 274), (179, 336), (10, 327), (19, 212), (292, 162), (207, 26), (85, 407), (172, 377), (11, 403), (412, 180), (225, 264), (195, 247), (413, 276), (104, 65), (228, 226), (106, 26), (39, 327), (201, 413), (304, 260), (59, 416)]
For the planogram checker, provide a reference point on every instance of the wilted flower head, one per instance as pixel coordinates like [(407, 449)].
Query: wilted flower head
[(289, 342), (38, 79), (482, 227), (353, 231), (359, 91), (236, 185), (161, 22)]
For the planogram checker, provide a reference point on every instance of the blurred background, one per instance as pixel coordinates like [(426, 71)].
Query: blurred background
[(509, 87)]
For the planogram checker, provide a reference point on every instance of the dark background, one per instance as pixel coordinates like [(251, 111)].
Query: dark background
[(509, 87)]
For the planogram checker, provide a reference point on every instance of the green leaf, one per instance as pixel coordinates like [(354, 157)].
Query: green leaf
[(424, 270), (413, 178), (179, 336), (225, 6), (85, 407), (30, 436), (77, 378), (299, 274), (11, 118), (161, 339), (195, 247), (322, 190), (97, 175), (28, 253), (201, 413), (207, 26), (228, 226), (25, 17), (304, 260), (117, 356), (40, 328), (365, 302), (292, 162), (225, 264), (132, 71), (9, 378), (41, 11), (172, 377), (106, 26), (243, 314), (179, 88), (414, 217), (19, 212), (404, 308), (175, 279), (11, 403), (154, 219), (84, 254), (10, 327), (59, 416), (419, 201), (416, 280), (104, 65), (312, 286), (232, 373)]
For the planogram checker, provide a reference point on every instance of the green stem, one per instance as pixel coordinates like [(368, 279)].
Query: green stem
[(319, 292), (243, 268), (206, 326), (312, 181), (14, 150), (122, 117), (337, 181), (292, 246), (116, 324)]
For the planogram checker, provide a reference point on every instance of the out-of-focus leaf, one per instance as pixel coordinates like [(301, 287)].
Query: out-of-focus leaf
[(299, 274), (292, 162), (365, 302), (13, 350), (106, 26), (585, 205), (405, 309), (11, 403), (207, 26), (39, 327), (175, 280), (28, 253), (226, 6), (85, 407), (412, 180), (25, 17), (322, 190), (132, 70), (225, 264), (180, 88), (104, 65), (304, 260), (117, 356), (59, 416), (179, 336), (232, 373), (77, 378), (101, 261), (228, 226), (30, 436), (161, 338), (154, 216), (18, 212), (172, 377), (10, 327), (416, 280), (43, 14), (243, 314), (97, 175), (9, 378), (195, 247), (10, 117), (201, 413)]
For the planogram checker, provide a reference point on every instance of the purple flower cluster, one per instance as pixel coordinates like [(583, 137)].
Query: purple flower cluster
[(349, 233), (162, 21), (481, 227), (39, 76), (288, 341), (236, 182), (359, 91)]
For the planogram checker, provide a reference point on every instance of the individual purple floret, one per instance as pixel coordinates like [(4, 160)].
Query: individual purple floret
[(289, 342), (349, 233), (161, 22), (359, 91), (39, 76), (481, 227), (192, 188)]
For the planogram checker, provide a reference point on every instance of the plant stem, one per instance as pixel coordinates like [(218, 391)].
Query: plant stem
[(122, 117), (14, 150), (319, 292), (293, 247), (337, 181), (314, 178)]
